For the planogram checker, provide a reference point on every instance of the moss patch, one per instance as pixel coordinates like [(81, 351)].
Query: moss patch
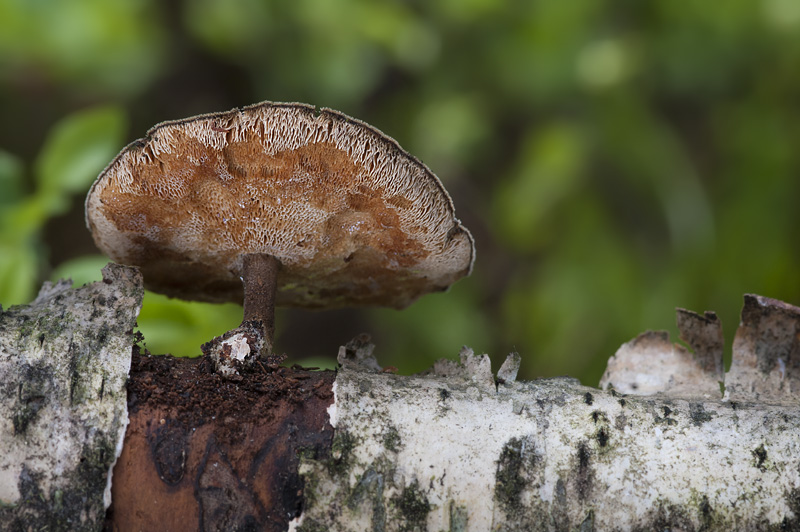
[(413, 507), (391, 439), (516, 457), (341, 452)]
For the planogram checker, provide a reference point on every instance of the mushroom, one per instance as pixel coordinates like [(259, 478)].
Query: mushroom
[(277, 204)]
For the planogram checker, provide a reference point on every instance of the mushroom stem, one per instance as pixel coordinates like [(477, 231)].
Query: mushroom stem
[(260, 278)]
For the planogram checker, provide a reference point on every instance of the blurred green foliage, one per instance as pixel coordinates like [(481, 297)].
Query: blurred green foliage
[(75, 149), (614, 159)]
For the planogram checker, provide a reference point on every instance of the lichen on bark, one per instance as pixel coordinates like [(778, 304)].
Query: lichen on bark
[(64, 361), (546, 455)]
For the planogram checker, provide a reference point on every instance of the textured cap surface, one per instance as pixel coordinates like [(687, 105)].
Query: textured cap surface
[(353, 219)]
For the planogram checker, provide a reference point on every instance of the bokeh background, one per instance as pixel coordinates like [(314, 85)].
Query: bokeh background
[(614, 159)]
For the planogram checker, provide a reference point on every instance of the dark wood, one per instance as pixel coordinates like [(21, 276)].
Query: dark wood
[(204, 453)]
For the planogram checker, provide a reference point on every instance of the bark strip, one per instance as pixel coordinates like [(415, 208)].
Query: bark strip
[(64, 360)]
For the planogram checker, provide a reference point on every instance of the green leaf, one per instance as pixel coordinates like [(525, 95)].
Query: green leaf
[(181, 327), (11, 174), (550, 171), (18, 272), (78, 148), (20, 222)]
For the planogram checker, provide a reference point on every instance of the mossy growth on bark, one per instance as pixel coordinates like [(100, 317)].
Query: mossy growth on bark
[(64, 361)]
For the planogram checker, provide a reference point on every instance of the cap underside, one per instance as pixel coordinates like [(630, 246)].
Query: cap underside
[(352, 218)]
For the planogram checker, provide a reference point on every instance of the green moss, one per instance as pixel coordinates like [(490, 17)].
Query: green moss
[(43, 326), (697, 514), (311, 481), (309, 525), (666, 419), (307, 453), (56, 510), (391, 439), (341, 452), (793, 500), (510, 479), (32, 391), (24, 415), (459, 518), (413, 506), (699, 414), (760, 458), (666, 517), (81, 388)]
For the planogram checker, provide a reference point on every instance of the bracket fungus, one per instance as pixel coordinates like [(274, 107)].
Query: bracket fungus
[(277, 204)]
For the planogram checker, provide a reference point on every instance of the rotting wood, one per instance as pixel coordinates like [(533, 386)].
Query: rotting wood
[(217, 454)]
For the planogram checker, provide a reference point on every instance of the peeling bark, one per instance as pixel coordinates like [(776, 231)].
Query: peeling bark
[(453, 451), (766, 353)]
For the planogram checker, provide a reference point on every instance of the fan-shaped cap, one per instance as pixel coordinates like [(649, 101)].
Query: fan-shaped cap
[(352, 218)]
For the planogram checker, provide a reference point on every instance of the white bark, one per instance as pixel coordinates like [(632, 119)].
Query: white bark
[(454, 451), (64, 362)]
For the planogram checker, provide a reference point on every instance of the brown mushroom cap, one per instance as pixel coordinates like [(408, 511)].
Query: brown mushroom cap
[(352, 218)]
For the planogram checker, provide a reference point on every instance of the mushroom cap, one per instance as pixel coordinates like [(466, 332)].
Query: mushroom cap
[(352, 218)]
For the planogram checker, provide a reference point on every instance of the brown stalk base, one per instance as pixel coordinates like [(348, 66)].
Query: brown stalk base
[(260, 278), (204, 453)]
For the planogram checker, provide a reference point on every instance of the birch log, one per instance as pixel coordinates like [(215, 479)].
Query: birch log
[(457, 450), (664, 445), (64, 362)]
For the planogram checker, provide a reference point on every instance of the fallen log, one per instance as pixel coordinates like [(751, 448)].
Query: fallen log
[(670, 442)]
